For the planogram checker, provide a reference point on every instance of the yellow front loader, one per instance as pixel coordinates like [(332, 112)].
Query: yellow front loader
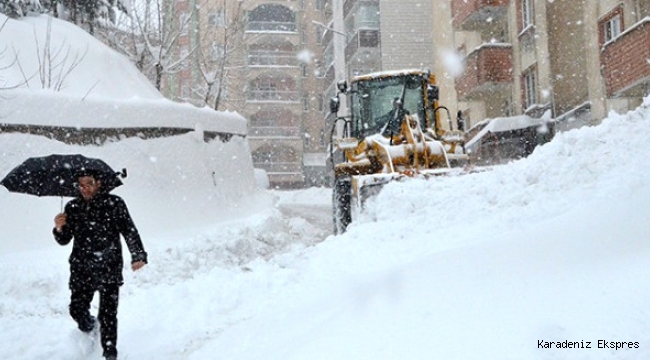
[(394, 130)]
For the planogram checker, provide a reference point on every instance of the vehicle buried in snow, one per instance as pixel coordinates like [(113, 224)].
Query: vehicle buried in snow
[(394, 130), (500, 140)]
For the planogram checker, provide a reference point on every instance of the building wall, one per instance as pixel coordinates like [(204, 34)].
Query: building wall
[(274, 79), (406, 35), (445, 57), (564, 49), (568, 75)]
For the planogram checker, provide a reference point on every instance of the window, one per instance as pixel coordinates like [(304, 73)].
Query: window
[(529, 88), (272, 54), (612, 28), (305, 103), (270, 88), (365, 17), (527, 13), (216, 52), (303, 70), (303, 35), (506, 109), (184, 54), (223, 87), (318, 30), (368, 38), (217, 19), (183, 23), (185, 89), (271, 17)]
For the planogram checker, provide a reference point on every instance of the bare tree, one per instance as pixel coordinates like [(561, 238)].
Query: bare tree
[(152, 41), (55, 64), (216, 51)]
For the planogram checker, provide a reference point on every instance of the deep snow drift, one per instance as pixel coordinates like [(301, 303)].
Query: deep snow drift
[(552, 248)]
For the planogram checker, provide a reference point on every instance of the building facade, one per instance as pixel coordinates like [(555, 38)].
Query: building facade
[(277, 62), (375, 35), (577, 59), (261, 58)]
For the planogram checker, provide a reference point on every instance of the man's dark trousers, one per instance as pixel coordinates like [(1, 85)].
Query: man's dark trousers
[(80, 299)]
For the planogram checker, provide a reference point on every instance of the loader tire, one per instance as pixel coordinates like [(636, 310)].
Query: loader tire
[(341, 197)]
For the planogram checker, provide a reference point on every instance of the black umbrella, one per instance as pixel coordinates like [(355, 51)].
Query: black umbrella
[(56, 175)]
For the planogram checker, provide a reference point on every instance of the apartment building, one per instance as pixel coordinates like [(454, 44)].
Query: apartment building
[(574, 60), (263, 59), (280, 61), (577, 59), (375, 35)]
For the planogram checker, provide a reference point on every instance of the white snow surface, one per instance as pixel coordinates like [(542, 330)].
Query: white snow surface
[(551, 248), (50, 68), (507, 124)]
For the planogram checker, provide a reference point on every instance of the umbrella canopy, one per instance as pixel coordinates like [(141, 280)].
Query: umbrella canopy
[(56, 175)]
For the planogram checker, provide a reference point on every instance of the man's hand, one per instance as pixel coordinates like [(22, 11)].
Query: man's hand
[(138, 265), (60, 221)]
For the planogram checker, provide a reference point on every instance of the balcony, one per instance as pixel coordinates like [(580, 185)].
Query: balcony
[(272, 59), (489, 68), (626, 67), (271, 26), (367, 39), (473, 15), (272, 96), (274, 132), (279, 167), (283, 174)]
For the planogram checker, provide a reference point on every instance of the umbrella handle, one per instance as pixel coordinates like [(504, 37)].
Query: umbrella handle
[(62, 204)]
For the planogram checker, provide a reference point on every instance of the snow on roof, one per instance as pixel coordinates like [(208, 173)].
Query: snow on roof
[(388, 73), (55, 54), (57, 109), (83, 83), (491, 44), (507, 124)]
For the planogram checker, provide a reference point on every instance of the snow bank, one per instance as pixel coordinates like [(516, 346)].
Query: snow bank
[(173, 184), (39, 54), (62, 109)]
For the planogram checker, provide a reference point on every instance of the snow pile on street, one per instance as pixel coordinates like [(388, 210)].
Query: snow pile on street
[(492, 265)]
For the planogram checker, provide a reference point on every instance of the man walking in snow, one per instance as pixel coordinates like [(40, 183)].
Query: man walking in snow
[(95, 220)]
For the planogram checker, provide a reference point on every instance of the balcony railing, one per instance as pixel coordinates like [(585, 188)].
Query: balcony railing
[(271, 26), (279, 167), (474, 14), (272, 95), (625, 61), (273, 131), (488, 67), (272, 58), (364, 38), (348, 5)]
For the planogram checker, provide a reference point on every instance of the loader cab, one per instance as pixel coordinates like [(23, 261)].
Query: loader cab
[(372, 100)]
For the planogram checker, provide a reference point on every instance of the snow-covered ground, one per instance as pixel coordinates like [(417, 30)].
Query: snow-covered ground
[(549, 250), (490, 265)]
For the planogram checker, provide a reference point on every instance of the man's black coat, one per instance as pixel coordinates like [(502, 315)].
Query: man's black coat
[(96, 226)]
